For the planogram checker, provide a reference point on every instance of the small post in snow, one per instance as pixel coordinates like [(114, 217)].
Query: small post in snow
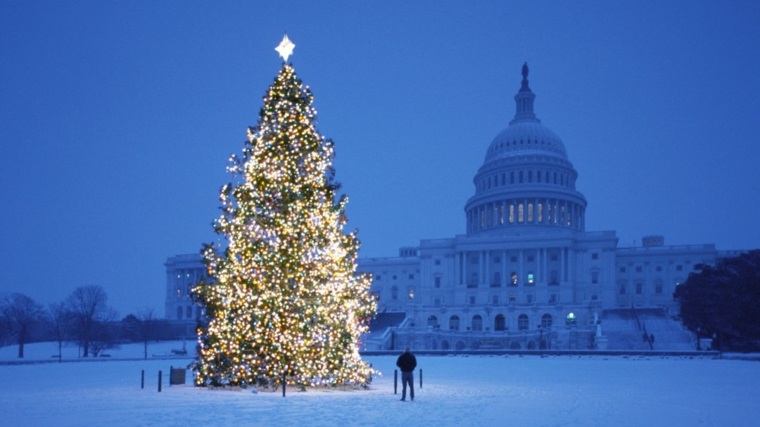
[(420, 377), (283, 383), (395, 381), (159, 381), (142, 380)]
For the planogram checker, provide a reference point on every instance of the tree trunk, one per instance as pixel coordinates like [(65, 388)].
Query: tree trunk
[(21, 341)]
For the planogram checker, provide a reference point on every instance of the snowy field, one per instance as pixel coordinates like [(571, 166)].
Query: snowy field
[(457, 391)]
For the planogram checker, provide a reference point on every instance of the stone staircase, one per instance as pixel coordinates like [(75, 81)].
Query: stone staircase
[(625, 329)]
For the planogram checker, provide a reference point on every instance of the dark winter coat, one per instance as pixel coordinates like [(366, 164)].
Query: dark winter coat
[(406, 362)]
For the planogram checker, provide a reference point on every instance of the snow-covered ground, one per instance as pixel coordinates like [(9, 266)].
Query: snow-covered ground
[(457, 391)]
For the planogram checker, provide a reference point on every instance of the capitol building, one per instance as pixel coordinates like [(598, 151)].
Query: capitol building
[(526, 275)]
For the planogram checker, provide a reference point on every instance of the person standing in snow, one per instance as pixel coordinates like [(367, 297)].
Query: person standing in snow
[(407, 362)]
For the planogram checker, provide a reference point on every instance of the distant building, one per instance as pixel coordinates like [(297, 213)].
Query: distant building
[(182, 273), (526, 275)]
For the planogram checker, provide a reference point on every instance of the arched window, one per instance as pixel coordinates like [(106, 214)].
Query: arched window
[(499, 323), (547, 320), (522, 322), (179, 313), (454, 323), (477, 323), (189, 312), (432, 321)]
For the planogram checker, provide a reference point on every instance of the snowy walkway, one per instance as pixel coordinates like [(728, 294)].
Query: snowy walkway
[(457, 391)]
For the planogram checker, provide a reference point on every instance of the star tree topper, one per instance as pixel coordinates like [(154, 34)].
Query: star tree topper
[(285, 48)]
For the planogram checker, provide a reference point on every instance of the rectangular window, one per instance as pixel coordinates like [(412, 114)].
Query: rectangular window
[(639, 288), (594, 277)]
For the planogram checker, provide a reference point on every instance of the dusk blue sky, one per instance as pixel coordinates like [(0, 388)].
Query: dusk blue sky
[(117, 119)]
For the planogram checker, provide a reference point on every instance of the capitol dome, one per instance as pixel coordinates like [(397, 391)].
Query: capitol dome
[(526, 178), (525, 137)]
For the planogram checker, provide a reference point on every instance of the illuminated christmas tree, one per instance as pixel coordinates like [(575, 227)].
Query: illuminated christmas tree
[(284, 299)]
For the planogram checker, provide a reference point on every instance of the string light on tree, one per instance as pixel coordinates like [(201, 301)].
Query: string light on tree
[(284, 295)]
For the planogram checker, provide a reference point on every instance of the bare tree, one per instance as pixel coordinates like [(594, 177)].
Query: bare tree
[(90, 315), (21, 312), (147, 328), (58, 317)]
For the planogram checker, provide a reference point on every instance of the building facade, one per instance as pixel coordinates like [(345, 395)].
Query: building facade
[(182, 273), (527, 274)]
